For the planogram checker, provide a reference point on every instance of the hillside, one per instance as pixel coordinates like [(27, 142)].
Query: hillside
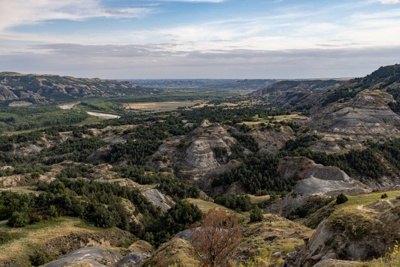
[(44, 88), (296, 94), (315, 94), (364, 228), (149, 175)]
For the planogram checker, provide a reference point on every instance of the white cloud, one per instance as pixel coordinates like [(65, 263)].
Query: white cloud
[(154, 62), (195, 1), (25, 12), (388, 2)]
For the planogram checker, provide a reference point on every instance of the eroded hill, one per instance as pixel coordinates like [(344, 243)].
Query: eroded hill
[(43, 88)]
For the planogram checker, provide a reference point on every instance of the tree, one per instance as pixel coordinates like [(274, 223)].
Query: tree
[(341, 198), (215, 242), (256, 215), (18, 219)]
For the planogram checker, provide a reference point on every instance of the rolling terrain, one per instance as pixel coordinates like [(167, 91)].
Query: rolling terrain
[(129, 186)]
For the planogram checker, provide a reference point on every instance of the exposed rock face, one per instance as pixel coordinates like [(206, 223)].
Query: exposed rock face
[(313, 180), (195, 153), (366, 115), (316, 179), (361, 233), (158, 199), (292, 94), (7, 94), (42, 88), (90, 255), (132, 260), (272, 140)]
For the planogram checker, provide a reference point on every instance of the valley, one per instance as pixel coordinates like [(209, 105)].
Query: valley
[(123, 170)]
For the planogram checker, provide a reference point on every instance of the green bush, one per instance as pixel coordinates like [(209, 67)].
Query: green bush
[(38, 258), (18, 219), (256, 215), (4, 237), (340, 199)]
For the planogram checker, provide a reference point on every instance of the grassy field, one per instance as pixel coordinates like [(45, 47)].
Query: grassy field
[(160, 106), (205, 206), (282, 118), (355, 201), (258, 199), (28, 238)]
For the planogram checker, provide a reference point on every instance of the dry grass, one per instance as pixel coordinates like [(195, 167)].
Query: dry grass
[(21, 189), (160, 106), (274, 234), (205, 206), (282, 118), (259, 199), (290, 117), (32, 236), (366, 199)]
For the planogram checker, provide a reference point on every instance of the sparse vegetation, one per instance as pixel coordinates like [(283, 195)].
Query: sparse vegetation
[(93, 172), (217, 239)]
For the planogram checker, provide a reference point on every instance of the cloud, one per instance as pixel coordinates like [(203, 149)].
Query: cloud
[(195, 1), (159, 61), (25, 12), (388, 2)]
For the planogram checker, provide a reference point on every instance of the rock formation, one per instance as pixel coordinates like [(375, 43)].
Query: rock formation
[(359, 232), (366, 116)]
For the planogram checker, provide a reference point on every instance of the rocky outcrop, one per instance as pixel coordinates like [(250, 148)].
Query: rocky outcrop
[(91, 255), (158, 199), (272, 140), (316, 179), (366, 116), (361, 232), (312, 180), (294, 94), (99, 257), (7, 94), (43, 88), (203, 152)]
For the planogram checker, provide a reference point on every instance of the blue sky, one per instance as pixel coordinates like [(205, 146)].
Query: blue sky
[(199, 38)]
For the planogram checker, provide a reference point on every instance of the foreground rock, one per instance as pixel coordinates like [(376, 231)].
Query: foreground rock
[(97, 257), (356, 232)]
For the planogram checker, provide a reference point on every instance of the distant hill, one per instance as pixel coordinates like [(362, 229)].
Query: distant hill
[(297, 94), (43, 88), (247, 84), (313, 94)]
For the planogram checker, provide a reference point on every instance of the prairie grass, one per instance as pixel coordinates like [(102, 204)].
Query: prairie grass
[(26, 239)]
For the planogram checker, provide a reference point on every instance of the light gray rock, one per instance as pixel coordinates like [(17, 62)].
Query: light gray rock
[(98, 257), (158, 199), (132, 260)]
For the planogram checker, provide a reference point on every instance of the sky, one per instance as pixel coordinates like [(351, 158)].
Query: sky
[(189, 39)]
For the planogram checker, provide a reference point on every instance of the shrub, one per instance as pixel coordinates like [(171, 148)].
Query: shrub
[(384, 195), (37, 258), (340, 199), (256, 215), (18, 219), (216, 241), (4, 237)]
